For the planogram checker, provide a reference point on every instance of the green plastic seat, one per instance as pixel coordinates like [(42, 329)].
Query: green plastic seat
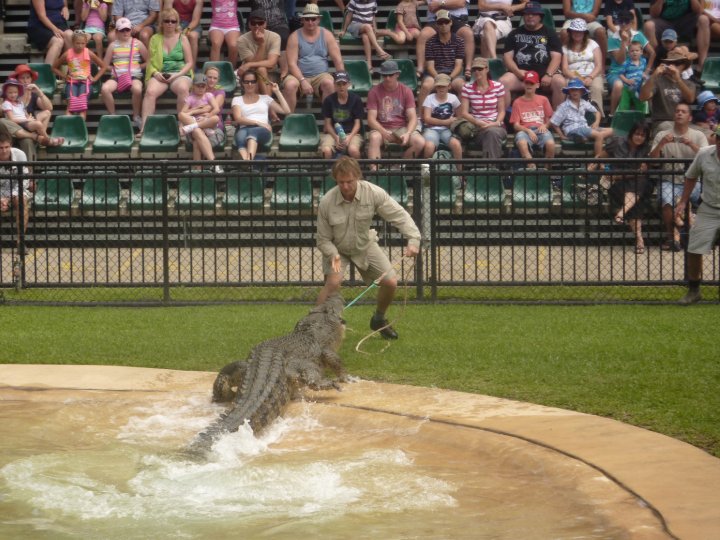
[(53, 194), (531, 189), (326, 20), (483, 191), (360, 78), (227, 81), (114, 135), (548, 19), (390, 24), (408, 75), (292, 193), (46, 81), (445, 192), (196, 192), (299, 134), (244, 193), (73, 129), (711, 73), (145, 193), (623, 120), (497, 68), (570, 180), (160, 134), (395, 186), (100, 194)]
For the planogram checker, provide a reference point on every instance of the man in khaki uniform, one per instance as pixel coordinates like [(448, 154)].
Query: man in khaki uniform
[(344, 235), (259, 50)]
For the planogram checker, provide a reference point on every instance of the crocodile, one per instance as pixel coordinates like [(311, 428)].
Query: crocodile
[(275, 372)]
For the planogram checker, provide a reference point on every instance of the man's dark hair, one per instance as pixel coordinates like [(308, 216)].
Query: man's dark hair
[(5, 135)]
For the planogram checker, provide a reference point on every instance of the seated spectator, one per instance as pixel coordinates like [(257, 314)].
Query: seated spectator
[(570, 122), (259, 50), (482, 112), (407, 26), (582, 59), (530, 118), (707, 116), (169, 65), (277, 21), (618, 49), (668, 42), (307, 52), (613, 8), (127, 56), (95, 15), (359, 22), (686, 17), (713, 13), (439, 112), (630, 79), (78, 62), (199, 120), (48, 28), (345, 109), (680, 142), (531, 47), (459, 18), (251, 114), (587, 11), (143, 15), (224, 29), (37, 104), (493, 23), (666, 87), (13, 107), (444, 53), (629, 192), (190, 13), (10, 184), (392, 115)]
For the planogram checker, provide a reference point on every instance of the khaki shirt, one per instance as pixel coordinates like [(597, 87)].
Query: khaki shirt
[(706, 167), (247, 47), (344, 227)]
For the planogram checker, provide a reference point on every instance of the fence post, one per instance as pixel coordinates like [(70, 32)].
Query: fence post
[(420, 215), (165, 233), (430, 207), (19, 264)]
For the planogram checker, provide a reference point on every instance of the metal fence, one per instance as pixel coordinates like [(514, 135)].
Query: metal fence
[(169, 232)]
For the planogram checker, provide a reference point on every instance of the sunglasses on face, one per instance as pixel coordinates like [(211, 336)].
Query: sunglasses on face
[(387, 76), (170, 21), (443, 22), (311, 19), (250, 81), (124, 30)]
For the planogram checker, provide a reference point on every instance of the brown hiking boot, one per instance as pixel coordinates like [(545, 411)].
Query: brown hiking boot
[(388, 332), (692, 297)]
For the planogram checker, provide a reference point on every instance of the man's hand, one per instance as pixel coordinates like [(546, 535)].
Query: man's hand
[(336, 264), (680, 211), (307, 88), (411, 251), (405, 138)]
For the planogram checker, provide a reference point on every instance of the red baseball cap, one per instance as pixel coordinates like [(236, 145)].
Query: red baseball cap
[(532, 77)]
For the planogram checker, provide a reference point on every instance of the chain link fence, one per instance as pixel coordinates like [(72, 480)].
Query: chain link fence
[(154, 231)]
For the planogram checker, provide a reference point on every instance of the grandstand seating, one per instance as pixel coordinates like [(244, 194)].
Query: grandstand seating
[(46, 80), (623, 120), (395, 186), (100, 194), (114, 135), (292, 193), (483, 192), (73, 129), (145, 193), (532, 190), (53, 195), (408, 75), (196, 191), (360, 77), (244, 193), (160, 134), (299, 133), (228, 81)]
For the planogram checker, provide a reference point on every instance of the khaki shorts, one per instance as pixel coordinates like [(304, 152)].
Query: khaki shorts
[(705, 230), (314, 81), (378, 264), (328, 141), (398, 132)]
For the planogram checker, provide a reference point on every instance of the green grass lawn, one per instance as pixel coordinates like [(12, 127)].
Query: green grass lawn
[(652, 366)]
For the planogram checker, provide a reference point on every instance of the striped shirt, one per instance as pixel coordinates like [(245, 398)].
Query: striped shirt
[(444, 55), (121, 58), (484, 106), (363, 11)]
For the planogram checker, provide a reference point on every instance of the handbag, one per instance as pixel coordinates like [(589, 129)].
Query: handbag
[(124, 80), (79, 103)]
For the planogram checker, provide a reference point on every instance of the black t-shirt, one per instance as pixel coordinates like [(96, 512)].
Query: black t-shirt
[(532, 48), (344, 114)]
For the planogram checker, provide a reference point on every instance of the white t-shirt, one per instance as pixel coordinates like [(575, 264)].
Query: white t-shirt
[(257, 111), (441, 111), (9, 188), (18, 110), (581, 61)]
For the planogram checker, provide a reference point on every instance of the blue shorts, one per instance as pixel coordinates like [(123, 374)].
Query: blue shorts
[(197, 29), (436, 136), (260, 134), (580, 134), (670, 193), (543, 138), (77, 88)]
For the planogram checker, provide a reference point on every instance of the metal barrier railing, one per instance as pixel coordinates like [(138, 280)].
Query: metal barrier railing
[(162, 231)]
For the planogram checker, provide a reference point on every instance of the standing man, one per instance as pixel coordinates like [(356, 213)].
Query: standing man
[(678, 142), (704, 231), (345, 214), (10, 191), (258, 49), (392, 116), (308, 50), (532, 47)]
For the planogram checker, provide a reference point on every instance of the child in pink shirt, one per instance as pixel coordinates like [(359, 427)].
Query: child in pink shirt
[(95, 14), (224, 28), (200, 109)]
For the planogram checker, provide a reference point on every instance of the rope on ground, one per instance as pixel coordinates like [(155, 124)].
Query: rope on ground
[(404, 282)]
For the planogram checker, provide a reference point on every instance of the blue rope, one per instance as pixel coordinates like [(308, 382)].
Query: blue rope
[(359, 296)]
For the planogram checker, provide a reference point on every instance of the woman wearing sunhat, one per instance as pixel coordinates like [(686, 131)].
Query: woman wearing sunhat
[(13, 107), (582, 59)]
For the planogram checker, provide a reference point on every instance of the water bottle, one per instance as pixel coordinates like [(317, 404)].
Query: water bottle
[(340, 131)]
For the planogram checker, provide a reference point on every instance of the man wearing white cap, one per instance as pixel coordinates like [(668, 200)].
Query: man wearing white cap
[(308, 50)]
